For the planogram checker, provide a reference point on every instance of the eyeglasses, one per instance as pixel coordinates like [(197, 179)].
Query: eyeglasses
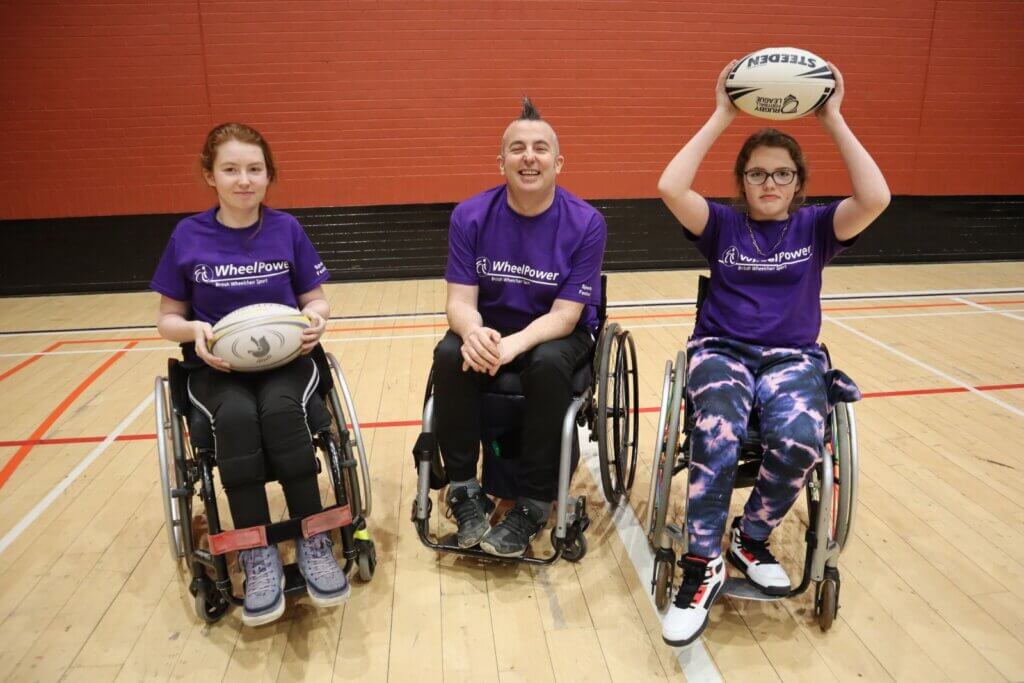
[(781, 176)]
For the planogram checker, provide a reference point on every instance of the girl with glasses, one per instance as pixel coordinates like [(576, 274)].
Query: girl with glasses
[(755, 341)]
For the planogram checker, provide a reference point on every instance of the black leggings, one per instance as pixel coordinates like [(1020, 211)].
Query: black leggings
[(546, 372), (260, 419)]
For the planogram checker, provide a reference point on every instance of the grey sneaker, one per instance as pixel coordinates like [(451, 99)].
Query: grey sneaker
[(472, 512), (512, 535), (264, 585), (325, 581)]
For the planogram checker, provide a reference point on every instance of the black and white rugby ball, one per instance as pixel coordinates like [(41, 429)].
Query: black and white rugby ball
[(780, 83)]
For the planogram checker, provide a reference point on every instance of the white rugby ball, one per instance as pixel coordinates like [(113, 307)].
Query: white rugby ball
[(780, 83), (259, 337)]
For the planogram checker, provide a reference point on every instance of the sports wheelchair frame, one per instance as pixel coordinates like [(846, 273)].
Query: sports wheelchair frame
[(604, 399), (187, 470), (831, 494)]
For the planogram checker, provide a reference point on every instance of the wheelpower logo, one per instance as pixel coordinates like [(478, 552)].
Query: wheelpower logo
[(516, 273), (733, 258), (234, 275)]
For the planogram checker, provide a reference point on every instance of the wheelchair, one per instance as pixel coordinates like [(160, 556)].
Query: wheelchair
[(605, 399), (187, 460), (831, 493)]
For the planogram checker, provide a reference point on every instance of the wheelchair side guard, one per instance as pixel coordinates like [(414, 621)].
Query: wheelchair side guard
[(365, 503), (839, 388)]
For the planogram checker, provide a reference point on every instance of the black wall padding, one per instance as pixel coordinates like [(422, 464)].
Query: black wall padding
[(119, 253)]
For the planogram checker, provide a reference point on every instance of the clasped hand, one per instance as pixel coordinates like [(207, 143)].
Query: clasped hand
[(485, 350)]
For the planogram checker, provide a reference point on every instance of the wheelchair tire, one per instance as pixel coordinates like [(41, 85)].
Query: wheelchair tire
[(827, 603), (210, 605), (663, 570), (575, 550), (617, 375), (366, 560)]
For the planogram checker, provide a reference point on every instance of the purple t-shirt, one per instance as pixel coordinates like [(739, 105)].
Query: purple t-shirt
[(217, 269), (771, 300), (522, 264)]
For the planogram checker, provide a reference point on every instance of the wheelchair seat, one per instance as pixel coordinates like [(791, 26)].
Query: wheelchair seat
[(509, 383)]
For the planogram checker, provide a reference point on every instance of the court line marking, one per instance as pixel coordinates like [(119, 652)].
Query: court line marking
[(640, 303), (55, 414), (35, 355), (694, 660), (69, 440), (976, 304), (12, 535), (921, 364)]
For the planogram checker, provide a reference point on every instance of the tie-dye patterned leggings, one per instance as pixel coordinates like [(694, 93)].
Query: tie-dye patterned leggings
[(787, 387)]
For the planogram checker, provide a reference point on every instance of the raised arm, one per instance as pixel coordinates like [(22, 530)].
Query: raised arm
[(870, 191), (690, 208)]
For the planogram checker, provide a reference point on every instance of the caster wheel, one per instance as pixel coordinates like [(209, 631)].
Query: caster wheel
[(210, 607), (575, 551), (366, 560), (663, 570), (827, 603)]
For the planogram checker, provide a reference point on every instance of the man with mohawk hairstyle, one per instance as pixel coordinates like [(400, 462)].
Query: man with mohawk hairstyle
[(524, 281)]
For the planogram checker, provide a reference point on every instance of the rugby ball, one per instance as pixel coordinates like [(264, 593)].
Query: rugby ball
[(259, 337), (780, 83)]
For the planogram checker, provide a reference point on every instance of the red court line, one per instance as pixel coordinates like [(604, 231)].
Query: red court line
[(20, 454), (413, 423)]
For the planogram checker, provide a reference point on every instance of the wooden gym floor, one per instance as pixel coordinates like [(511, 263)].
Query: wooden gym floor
[(932, 583)]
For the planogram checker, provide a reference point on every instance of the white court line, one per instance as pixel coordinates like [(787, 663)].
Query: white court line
[(33, 514), (929, 368), (639, 303), (694, 660), (1006, 313), (983, 310)]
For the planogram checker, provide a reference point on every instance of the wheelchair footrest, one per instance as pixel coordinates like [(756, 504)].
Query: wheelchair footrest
[(294, 582), (742, 589)]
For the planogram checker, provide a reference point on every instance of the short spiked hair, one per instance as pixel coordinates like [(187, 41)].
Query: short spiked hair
[(529, 113)]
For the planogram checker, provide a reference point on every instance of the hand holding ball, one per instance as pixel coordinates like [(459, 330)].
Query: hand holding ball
[(259, 337), (780, 83)]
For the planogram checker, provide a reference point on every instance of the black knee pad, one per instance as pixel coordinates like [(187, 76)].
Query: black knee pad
[(317, 416), (241, 469), (448, 354)]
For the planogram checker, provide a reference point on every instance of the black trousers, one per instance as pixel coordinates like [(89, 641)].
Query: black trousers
[(260, 419), (546, 373)]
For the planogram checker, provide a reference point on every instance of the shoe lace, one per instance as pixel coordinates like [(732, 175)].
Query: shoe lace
[(257, 568), (759, 549), (321, 560), (466, 509), (519, 522), (695, 575)]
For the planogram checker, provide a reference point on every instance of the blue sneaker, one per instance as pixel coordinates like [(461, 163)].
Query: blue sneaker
[(264, 585), (326, 583)]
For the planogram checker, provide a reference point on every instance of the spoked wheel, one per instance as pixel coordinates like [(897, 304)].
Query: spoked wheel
[(618, 413)]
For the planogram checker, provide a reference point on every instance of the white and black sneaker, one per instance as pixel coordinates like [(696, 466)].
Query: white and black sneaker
[(757, 563), (688, 616)]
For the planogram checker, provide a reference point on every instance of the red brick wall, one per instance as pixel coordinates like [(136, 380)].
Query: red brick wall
[(105, 104)]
